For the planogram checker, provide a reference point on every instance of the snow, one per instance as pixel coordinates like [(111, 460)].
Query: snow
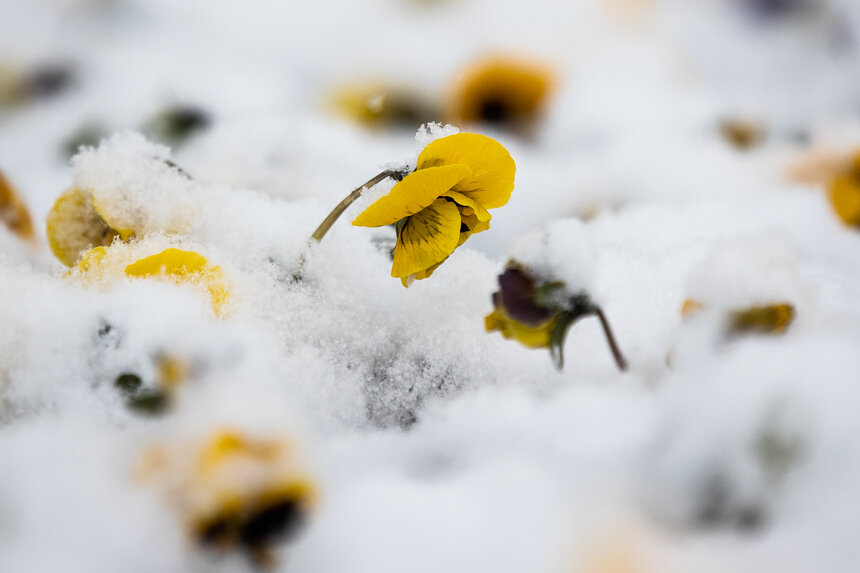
[(432, 444)]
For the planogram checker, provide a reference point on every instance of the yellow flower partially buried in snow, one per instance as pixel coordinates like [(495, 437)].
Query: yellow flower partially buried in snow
[(443, 202), (105, 264), (237, 492), (13, 211)]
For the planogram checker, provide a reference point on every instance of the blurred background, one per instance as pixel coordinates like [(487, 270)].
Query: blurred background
[(280, 96)]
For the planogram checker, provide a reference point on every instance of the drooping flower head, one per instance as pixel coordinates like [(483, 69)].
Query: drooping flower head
[(504, 92), (538, 313), (443, 202)]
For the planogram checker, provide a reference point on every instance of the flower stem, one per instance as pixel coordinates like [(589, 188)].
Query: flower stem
[(610, 338), (348, 200)]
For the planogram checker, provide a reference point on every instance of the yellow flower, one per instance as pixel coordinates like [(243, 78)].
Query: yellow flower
[(505, 92), (75, 224), (378, 105), (768, 319), (761, 319), (845, 193), (105, 264), (236, 491), (13, 211), (443, 202)]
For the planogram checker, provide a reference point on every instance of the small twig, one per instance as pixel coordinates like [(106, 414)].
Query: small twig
[(610, 338), (348, 200)]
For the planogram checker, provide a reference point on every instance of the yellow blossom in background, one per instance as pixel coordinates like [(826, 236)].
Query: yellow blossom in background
[(106, 264), (768, 319), (235, 491), (379, 105), (443, 202), (761, 319), (505, 92), (13, 211)]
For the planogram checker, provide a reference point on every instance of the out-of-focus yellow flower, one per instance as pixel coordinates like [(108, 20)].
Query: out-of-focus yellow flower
[(13, 211), (104, 264), (538, 314), (237, 492), (443, 202), (75, 225), (505, 92), (845, 193), (768, 319), (377, 105), (761, 319)]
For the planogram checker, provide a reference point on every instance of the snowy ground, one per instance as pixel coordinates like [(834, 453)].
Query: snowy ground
[(429, 444)]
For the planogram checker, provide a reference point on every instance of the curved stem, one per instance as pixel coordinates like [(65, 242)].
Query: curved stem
[(610, 338), (348, 200)]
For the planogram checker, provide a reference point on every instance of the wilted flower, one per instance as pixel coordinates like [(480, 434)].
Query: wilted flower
[(538, 314), (505, 92), (13, 211), (443, 202), (237, 492)]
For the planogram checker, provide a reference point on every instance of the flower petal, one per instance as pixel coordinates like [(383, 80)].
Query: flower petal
[(492, 167), (169, 262), (478, 210), (417, 191), (427, 238)]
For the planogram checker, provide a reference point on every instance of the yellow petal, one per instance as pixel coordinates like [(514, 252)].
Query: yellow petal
[(478, 210), (74, 226), (417, 191), (538, 337), (492, 167), (179, 264), (426, 238), (113, 222), (169, 262)]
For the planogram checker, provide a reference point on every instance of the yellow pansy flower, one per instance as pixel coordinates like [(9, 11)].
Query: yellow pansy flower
[(380, 105), (760, 319), (505, 92), (539, 336), (443, 202), (75, 224), (104, 264), (236, 491)]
